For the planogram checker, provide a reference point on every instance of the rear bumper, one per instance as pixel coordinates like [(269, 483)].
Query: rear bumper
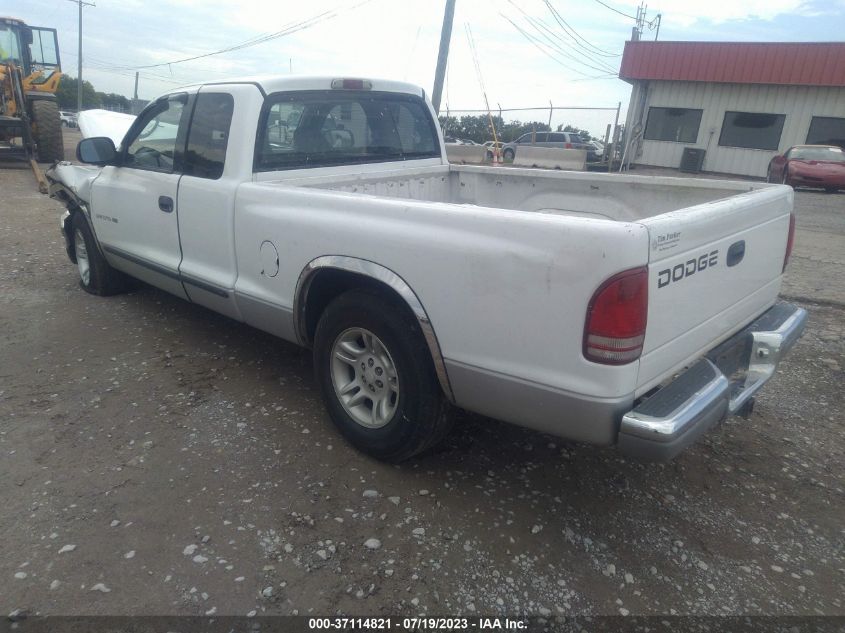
[(715, 386)]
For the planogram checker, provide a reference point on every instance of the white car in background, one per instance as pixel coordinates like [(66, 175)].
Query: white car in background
[(68, 118)]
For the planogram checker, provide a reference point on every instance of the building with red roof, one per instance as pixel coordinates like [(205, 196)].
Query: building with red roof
[(740, 103)]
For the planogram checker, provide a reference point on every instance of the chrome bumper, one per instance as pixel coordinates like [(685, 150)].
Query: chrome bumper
[(714, 387)]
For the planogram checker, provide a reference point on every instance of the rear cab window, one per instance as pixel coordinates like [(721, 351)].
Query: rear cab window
[(322, 128), (208, 135)]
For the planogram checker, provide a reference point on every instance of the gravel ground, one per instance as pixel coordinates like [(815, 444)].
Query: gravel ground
[(159, 459)]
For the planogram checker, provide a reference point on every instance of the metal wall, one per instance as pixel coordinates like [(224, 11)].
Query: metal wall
[(799, 103)]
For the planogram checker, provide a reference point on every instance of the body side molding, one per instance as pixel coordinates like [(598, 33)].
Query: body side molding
[(379, 273)]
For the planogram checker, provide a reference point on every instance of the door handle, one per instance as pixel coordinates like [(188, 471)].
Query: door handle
[(165, 203)]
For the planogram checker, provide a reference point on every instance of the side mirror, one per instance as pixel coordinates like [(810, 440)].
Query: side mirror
[(98, 150)]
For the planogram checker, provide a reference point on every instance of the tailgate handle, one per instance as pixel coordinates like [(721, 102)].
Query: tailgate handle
[(736, 252)]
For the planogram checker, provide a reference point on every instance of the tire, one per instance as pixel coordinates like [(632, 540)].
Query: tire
[(413, 416), (508, 154), (769, 178), (785, 178), (47, 130), (95, 274), (831, 189)]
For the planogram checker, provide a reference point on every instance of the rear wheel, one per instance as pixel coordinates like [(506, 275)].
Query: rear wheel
[(95, 274), (47, 130), (376, 377)]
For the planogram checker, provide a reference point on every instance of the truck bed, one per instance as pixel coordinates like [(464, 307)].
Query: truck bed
[(608, 196)]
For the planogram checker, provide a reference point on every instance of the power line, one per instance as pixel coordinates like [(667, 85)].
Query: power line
[(615, 10), (540, 45), (541, 26), (288, 29), (570, 30)]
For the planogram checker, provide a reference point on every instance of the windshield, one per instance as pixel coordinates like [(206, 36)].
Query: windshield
[(9, 46), (834, 154), (333, 127)]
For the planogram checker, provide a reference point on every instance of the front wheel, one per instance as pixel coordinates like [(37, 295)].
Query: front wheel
[(785, 178), (377, 378), (96, 276), (508, 154)]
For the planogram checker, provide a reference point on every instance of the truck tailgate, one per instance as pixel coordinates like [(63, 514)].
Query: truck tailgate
[(712, 269)]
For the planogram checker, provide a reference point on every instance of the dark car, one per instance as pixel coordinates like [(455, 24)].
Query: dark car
[(821, 166)]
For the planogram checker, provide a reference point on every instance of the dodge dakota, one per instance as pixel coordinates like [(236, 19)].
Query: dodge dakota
[(602, 308)]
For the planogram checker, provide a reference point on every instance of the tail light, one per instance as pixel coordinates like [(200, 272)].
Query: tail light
[(616, 319), (790, 240), (569, 146)]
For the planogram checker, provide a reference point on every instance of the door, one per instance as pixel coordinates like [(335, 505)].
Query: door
[(207, 195), (134, 202)]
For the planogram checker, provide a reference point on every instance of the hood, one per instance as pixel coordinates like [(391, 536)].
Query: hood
[(113, 125), (814, 161)]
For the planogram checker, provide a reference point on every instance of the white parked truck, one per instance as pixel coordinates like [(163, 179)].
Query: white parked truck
[(609, 309)]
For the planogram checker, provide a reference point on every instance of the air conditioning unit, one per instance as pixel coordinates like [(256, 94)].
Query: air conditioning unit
[(691, 160)]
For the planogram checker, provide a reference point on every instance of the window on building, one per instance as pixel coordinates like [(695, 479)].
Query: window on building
[(679, 125), (752, 130), (826, 130)]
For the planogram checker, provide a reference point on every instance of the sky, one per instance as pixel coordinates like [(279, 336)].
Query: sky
[(520, 53)]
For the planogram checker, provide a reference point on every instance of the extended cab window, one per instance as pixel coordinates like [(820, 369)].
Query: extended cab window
[(153, 146), (334, 127), (209, 135)]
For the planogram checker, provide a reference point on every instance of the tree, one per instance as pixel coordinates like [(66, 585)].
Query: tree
[(515, 129), (67, 94), (475, 128), (113, 101), (582, 133)]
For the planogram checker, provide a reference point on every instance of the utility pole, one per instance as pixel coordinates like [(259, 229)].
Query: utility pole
[(443, 55), (79, 55)]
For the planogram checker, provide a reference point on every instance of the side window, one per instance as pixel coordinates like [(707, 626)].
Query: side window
[(209, 135), (154, 145), (541, 137), (44, 51), (558, 137)]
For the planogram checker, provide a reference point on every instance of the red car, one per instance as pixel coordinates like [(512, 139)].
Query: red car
[(821, 166)]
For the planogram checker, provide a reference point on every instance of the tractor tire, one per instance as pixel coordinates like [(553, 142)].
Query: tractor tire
[(47, 131)]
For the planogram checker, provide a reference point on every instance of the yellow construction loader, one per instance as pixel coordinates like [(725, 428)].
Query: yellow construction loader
[(30, 124)]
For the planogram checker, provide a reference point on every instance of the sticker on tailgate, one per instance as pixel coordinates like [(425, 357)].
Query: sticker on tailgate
[(666, 241)]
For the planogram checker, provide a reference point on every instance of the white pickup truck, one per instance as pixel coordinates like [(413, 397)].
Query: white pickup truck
[(609, 309)]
